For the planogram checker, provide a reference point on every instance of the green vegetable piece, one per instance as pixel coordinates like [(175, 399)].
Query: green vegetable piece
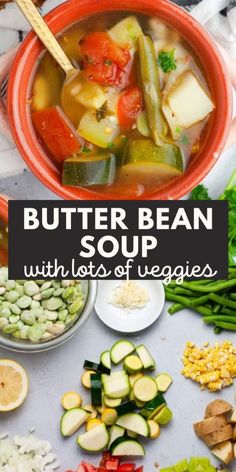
[(47, 293), (24, 302), (62, 315), (10, 329), (151, 88), (31, 288), (144, 150), (166, 60), (12, 296), (89, 170), (54, 303), (181, 466), (75, 306), (142, 124), (27, 317), (35, 332), (68, 292)]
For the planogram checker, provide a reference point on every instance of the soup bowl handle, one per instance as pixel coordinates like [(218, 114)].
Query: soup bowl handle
[(5, 65)]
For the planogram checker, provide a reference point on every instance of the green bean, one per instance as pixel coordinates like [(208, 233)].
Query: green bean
[(189, 303), (175, 308), (217, 330), (223, 301), (213, 319), (151, 88), (216, 287), (233, 296), (184, 291), (227, 311), (224, 325)]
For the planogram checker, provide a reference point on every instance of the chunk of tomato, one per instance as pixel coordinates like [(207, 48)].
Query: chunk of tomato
[(57, 133), (99, 47), (129, 106)]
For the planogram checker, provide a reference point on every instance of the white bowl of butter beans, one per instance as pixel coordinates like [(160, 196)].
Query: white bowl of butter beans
[(36, 315)]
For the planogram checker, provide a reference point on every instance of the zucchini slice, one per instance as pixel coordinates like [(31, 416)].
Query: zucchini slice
[(120, 350), (145, 357), (72, 420), (164, 416), (163, 382), (154, 429), (152, 407), (134, 422), (94, 440), (86, 378), (84, 171), (90, 409), (145, 389), (105, 359), (96, 389), (133, 364), (126, 407), (133, 378), (117, 387), (112, 402), (101, 368), (115, 433), (93, 423), (127, 447)]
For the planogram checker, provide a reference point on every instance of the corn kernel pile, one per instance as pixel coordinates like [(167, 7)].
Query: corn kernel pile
[(212, 367)]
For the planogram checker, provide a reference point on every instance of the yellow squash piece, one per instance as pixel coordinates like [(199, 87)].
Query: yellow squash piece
[(71, 400), (93, 423)]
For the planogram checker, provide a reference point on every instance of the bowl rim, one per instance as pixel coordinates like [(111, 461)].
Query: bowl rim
[(4, 208), (218, 133), (26, 347)]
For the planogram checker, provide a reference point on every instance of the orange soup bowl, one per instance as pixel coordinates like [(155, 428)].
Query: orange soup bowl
[(25, 64), (4, 208)]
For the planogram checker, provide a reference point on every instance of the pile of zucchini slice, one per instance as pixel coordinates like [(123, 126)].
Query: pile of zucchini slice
[(130, 401)]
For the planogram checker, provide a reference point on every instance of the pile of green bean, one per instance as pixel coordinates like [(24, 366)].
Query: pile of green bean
[(214, 300)]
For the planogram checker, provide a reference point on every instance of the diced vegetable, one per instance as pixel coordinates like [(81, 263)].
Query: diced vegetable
[(233, 416), (128, 107), (98, 47), (72, 420), (126, 447), (109, 416), (115, 433), (224, 452), (126, 32), (144, 151), (102, 132), (120, 350), (100, 368), (163, 382), (209, 425), (112, 402), (217, 407), (94, 440), (91, 95), (154, 429), (134, 422), (151, 88), (91, 410), (134, 377), (96, 389), (145, 356), (126, 407), (219, 436), (71, 400), (105, 359), (86, 378), (198, 463), (188, 101), (181, 466), (164, 416), (152, 407), (117, 387), (133, 364), (145, 389), (57, 133), (89, 170), (93, 423)]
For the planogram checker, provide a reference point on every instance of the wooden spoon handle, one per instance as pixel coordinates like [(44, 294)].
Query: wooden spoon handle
[(44, 33)]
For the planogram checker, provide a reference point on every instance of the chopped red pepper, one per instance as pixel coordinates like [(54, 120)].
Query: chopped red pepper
[(112, 464), (126, 468), (129, 106), (57, 133), (139, 469)]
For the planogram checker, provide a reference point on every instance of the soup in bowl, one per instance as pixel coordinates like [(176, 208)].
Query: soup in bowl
[(141, 119)]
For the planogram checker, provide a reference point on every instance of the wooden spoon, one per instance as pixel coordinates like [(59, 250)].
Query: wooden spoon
[(48, 39)]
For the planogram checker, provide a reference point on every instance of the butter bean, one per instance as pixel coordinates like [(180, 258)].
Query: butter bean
[(31, 288), (12, 296), (24, 302), (54, 303)]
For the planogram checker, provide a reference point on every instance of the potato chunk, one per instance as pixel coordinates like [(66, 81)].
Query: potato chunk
[(217, 407), (187, 102), (224, 452), (233, 416), (219, 436), (209, 425)]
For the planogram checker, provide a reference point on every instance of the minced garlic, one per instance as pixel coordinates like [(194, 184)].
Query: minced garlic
[(129, 295)]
